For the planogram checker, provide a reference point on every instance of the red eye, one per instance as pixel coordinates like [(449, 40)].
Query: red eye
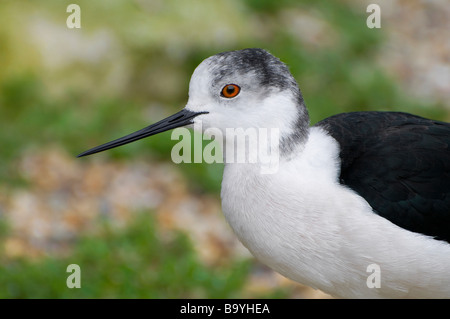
[(230, 90)]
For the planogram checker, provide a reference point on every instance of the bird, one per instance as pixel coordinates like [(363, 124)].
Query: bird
[(359, 203)]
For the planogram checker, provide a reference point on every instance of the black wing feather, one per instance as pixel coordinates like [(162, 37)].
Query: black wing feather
[(400, 163)]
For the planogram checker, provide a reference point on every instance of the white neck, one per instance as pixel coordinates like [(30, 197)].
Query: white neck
[(302, 223)]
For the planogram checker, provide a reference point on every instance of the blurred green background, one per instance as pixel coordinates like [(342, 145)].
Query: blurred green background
[(139, 225)]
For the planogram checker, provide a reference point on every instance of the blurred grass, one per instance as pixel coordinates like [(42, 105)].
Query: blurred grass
[(152, 47), (126, 263)]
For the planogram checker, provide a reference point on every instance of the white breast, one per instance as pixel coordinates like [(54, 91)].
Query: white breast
[(302, 223)]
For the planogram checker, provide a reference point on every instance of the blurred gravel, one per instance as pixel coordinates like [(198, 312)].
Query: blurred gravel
[(417, 50), (66, 196)]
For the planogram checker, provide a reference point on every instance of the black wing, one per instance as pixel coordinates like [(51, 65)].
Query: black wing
[(400, 163)]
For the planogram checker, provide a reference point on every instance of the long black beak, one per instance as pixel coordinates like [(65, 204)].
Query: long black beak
[(182, 118)]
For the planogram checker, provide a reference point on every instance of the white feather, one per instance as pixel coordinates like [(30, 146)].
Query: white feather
[(301, 221), (305, 225)]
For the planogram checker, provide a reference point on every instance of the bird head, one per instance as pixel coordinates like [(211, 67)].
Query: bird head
[(247, 88)]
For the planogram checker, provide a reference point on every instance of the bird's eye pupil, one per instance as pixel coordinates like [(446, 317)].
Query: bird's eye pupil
[(230, 90)]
